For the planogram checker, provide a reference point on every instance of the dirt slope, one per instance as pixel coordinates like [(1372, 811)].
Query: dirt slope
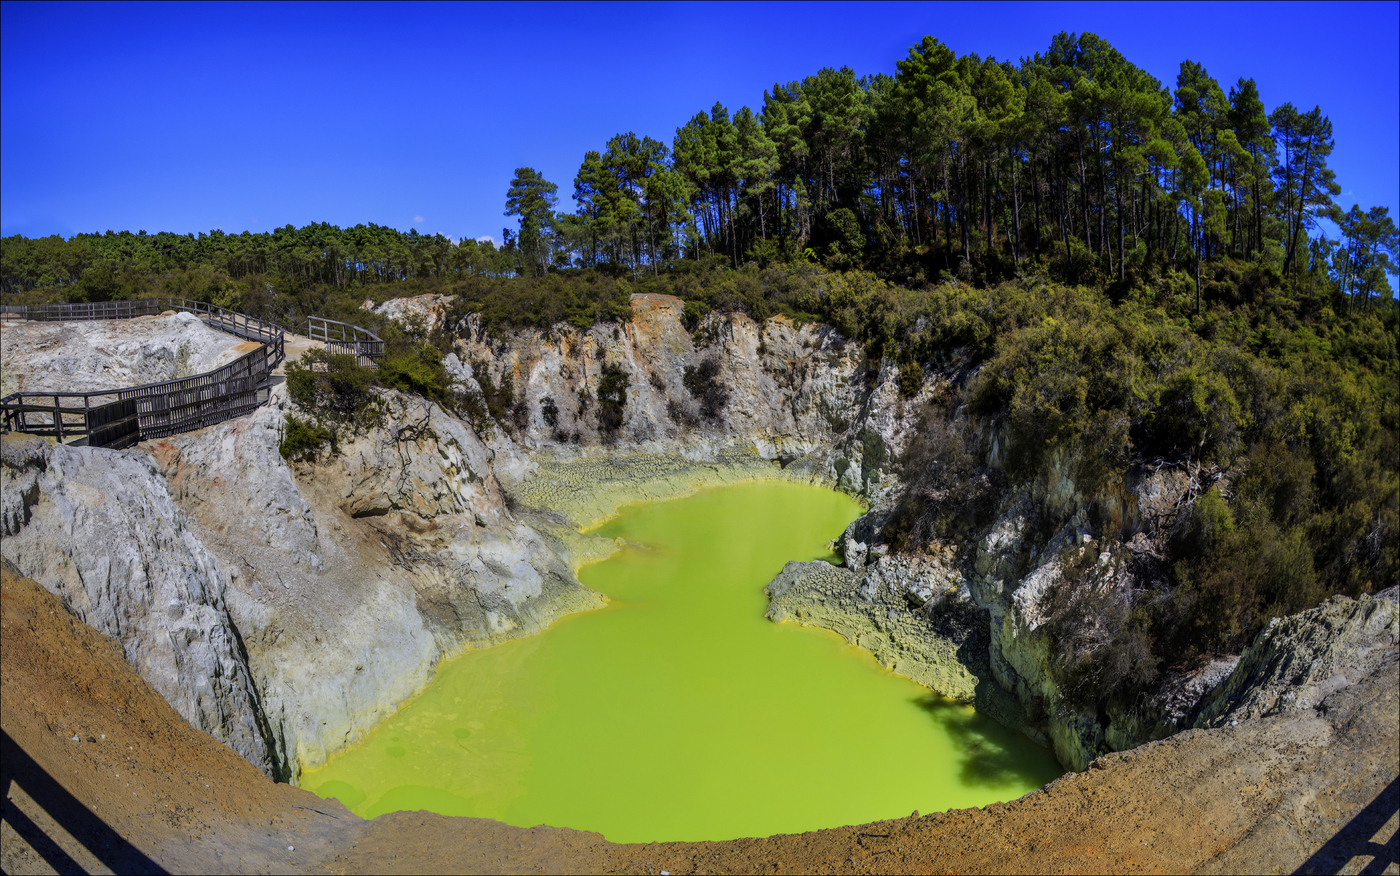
[(100, 774)]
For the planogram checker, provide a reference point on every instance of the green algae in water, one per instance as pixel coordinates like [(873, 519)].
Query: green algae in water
[(679, 712)]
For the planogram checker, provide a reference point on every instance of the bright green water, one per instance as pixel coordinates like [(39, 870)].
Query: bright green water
[(679, 712)]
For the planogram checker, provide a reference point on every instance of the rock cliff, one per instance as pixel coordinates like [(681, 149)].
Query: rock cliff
[(790, 393), (352, 576), (101, 531), (289, 607)]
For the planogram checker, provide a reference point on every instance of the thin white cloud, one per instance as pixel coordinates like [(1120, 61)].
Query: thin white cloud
[(486, 238), (418, 220)]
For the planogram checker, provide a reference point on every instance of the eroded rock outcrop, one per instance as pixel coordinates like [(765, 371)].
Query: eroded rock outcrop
[(1009, 586), (938, 646), (99, 529), (352, 576), (788, 392), (1296, 662), (429, 310)]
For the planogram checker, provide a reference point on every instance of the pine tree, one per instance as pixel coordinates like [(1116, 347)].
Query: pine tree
[(532, 198), (1305, 184)]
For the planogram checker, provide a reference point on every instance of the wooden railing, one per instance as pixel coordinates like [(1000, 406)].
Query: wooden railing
[(247, 327), (121, 417), (342, 337)]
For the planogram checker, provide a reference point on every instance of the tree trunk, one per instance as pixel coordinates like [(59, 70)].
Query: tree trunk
[(1084, 194), (1035, 188), (987, 206), (1104, 245), (1015, 210), (1259, 219), (1122, 258), (1196, 238), (1064, 219), (947, 219), (962, 206)]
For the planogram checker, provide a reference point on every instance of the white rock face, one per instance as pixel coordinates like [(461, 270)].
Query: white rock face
[(428, 308), (791, 390), (109, 354), (99, 529), (351, 578)]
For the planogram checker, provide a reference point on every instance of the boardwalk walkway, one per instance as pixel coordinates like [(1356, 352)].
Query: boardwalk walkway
[(120, 417)]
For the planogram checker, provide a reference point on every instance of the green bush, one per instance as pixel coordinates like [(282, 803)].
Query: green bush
[(612, 397), (703, 383), (501, 402), (911, 379), (333, 386), (418, 370), (303, 440)]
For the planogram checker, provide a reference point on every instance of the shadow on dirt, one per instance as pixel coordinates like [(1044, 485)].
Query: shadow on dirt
[(1358, 839), (105, 844)]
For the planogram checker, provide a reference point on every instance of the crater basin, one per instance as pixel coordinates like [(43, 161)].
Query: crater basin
[(679, 712)]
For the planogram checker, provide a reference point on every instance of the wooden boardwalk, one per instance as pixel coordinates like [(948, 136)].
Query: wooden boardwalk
[(121, 417)]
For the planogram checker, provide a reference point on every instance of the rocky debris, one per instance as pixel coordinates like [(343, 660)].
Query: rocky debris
[(110, 354), (1296, 662), (99, 529)]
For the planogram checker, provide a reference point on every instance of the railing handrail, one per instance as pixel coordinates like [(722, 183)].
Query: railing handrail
[(161, 417), (166, 407), (317, 327), (356, 331), (168, 402), (348, 338), (141, 388)]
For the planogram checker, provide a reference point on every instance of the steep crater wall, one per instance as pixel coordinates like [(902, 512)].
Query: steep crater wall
[(288, 608)]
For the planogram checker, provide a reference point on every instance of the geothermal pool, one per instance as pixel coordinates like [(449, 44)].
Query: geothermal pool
[(679, 712)]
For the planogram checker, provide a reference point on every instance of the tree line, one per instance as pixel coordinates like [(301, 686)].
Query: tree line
[(1074, 162), (316, 253), (968, 166)]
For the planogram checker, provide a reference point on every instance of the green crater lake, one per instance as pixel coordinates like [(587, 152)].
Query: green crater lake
[(679, 712)]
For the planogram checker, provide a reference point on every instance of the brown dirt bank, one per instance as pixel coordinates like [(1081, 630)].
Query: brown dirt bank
[(101, 774)]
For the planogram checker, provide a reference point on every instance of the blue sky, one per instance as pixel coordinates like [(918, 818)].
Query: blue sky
[(169, 117)]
